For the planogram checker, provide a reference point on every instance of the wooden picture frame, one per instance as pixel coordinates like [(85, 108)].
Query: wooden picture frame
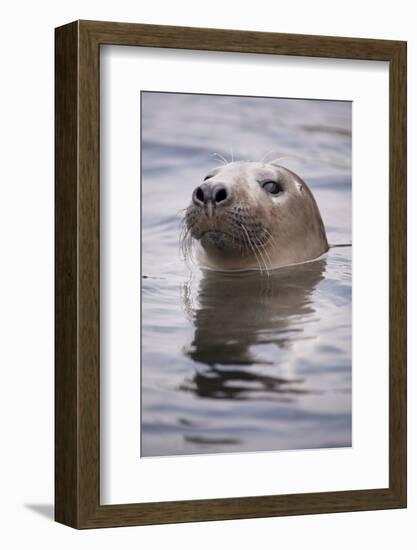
[(77, 374)]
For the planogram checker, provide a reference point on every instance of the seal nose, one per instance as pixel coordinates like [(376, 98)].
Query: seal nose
[(205, 193)]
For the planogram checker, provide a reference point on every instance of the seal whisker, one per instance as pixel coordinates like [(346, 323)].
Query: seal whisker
[(258, 248), (287, 157), (252, 247), (269, 234), (263, 246), (270, 152), (219, 157), (250, 244), (186, 245)]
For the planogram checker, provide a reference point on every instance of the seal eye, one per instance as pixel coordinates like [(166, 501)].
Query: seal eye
[(272, 187)]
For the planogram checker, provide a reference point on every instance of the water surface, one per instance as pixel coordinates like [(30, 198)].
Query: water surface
[(243, 362)]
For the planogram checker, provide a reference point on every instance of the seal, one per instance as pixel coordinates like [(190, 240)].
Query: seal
[(253, 215)]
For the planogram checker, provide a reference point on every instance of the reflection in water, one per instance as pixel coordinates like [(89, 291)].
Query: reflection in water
[(237, 311), (216, 383)]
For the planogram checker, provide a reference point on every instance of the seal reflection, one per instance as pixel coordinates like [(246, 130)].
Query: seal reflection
[(237, 312)]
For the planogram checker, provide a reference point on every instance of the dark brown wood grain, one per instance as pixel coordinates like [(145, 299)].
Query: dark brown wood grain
[(398, 272), (66, 238), (77, 371)]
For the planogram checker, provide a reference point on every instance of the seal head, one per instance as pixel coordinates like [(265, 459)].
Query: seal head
[(251, 215)]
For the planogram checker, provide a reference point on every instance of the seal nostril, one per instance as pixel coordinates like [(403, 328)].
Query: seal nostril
[(220, 195), (199, 194), (206, 193)]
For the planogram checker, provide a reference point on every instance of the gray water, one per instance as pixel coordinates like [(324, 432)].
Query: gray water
[(243, 362)]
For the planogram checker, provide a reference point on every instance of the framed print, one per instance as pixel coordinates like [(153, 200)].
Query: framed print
[(230, 274)]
